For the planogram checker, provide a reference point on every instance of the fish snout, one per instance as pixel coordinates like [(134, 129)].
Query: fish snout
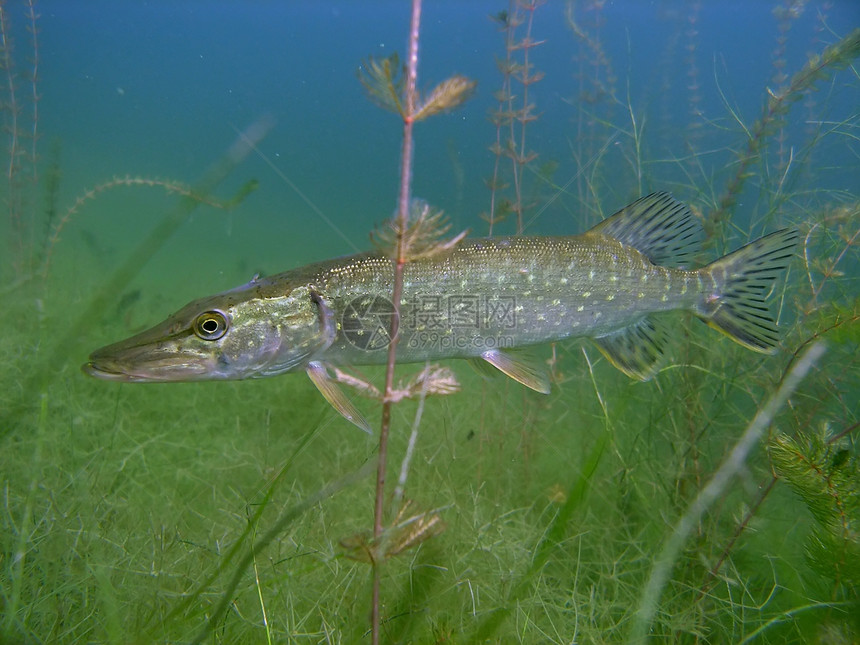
[(136, 363)]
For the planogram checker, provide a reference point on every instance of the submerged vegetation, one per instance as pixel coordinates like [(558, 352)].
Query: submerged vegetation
[(719, 502)]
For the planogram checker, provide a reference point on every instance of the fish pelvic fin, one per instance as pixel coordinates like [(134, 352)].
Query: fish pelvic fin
[(520, 367), (328, 387), (744, 279), (638, 349), (658, 226)]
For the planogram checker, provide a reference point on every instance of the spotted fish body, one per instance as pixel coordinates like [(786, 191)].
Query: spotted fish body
[(481, 299), (489, 292)]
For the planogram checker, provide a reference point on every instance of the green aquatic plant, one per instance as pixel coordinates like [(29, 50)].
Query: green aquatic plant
[(694, 87), (596, 95), (170, 186), (785, 15), (510, 120), (425, 234), (709, 494), (825, 472), (818, 68), (20, 110), (384, 81), (500, 117)]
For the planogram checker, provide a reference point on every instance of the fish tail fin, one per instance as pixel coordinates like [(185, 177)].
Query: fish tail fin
[(743, 281)]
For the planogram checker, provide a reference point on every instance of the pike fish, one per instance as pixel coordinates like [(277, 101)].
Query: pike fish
[(481, 300)]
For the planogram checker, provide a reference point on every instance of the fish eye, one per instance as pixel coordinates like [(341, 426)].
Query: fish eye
[(210, 325)]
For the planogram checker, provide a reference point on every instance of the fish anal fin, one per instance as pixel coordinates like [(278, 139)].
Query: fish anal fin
[(637, 349), (521, 368), (329, 388), (658, 226)]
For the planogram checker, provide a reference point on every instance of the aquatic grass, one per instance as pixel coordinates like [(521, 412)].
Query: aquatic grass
[(490, 528), (39, 374), (661, 572), (150, 468)]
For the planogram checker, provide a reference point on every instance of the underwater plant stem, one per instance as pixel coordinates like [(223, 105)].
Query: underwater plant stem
[(668, 556), (10, 108), (260, 595), (169, 186), (410, 448), (525, 117), (694, 96), (34, 87), (502, 116), (712, 573), (512, 127), (843, 433), (400, 262), (790, 616)]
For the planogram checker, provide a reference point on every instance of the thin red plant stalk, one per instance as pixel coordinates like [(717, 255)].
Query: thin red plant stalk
[(400, 263)]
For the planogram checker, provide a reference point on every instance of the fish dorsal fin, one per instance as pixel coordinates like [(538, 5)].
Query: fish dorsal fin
[(328, 387), (519, 367), (636, 349), (658, 226)]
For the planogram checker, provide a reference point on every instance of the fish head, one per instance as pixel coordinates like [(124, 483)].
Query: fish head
[(239, 334)]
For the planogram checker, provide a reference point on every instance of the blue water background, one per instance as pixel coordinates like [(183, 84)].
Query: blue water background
[(160, 89)]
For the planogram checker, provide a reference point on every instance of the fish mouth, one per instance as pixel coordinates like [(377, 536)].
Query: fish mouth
[(139, 365), (151, 373), (101, 372), (112, 372)]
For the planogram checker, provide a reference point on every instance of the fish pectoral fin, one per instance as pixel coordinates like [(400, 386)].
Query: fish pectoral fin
[(523, 369), (637, 349), (328, 387)]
